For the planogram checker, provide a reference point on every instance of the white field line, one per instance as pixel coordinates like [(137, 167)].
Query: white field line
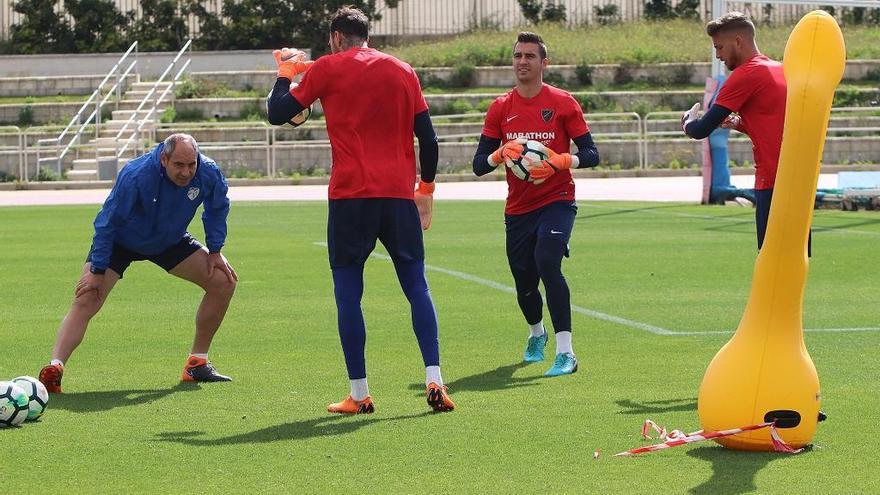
[(645, 327)]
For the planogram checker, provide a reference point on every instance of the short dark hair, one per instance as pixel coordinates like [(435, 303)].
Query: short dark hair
[(731, 21), (351, 22), (530, 37)]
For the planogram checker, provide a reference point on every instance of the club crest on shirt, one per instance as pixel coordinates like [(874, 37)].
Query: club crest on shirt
[(193, 193), (547, 114)]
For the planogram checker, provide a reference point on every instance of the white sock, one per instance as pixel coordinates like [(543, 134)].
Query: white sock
[(563, 343), (537, 329), (56, 361), (200, 355), (359, 389), (432, 374)]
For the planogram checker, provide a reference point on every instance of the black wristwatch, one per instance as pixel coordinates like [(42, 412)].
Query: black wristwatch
[(97, 271)]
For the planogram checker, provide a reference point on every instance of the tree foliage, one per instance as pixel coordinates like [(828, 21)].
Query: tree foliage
[(42, 30), (536, 11)]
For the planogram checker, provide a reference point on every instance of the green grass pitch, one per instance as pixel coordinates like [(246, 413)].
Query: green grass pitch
[(125, 424)]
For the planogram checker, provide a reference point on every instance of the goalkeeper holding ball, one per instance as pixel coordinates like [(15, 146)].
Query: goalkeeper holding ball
[(373, 105), (539, 216)]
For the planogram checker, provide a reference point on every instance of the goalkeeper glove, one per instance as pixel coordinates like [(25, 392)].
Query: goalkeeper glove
[(690, 116), (424, 198), (511, 150), (554, 163), (291, 62), (732, 121)]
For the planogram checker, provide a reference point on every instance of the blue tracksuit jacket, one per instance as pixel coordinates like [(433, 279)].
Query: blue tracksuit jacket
[(147, 213)]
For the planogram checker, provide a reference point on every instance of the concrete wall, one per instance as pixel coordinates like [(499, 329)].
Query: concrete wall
[(149, 64), (249, 69), (56, 85)]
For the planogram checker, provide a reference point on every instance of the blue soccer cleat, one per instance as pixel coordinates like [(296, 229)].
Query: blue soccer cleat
[(565, 364), (535, 349)]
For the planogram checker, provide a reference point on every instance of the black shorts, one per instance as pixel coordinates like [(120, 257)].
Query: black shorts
[(763, 200), (121, 257), (552, 221), (354, 225)]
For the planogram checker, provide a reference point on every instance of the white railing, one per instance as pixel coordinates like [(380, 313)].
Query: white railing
[(266, 143), (136, 133), (652, 128), (115, 90)]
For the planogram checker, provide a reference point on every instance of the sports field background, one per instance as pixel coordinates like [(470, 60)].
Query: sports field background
[(126, 424)]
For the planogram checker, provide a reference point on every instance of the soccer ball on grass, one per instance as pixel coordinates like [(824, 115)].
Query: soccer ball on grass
[(13, 404), (38, 397)]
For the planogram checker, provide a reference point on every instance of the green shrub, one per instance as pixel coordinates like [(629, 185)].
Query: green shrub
[(253, 112), (6, 176), (848, 96), (584, 74), (189, 115), (201, 87), (607, 15), (623, 73), (45, 174), (430, 80), (554, 78), (484, 104), (168, 116), (26, 116), (460, 105), (463, 76)]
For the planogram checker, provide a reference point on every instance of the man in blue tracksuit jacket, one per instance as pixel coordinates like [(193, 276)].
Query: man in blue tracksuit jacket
[(145, 217)]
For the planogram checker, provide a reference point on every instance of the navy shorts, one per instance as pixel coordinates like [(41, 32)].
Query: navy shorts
[(354, 225), (552, 221), (121, 257)]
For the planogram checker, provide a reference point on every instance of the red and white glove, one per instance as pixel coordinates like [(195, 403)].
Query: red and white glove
[(291, 62), (511, 150), (424, 198), (554, 163)]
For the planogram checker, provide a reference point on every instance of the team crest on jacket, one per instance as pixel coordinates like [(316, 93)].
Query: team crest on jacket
[(193, 193), (547, 114)]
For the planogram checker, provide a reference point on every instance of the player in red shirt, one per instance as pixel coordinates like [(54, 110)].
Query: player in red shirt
[(538, 217), (373, 104), (752, 101)]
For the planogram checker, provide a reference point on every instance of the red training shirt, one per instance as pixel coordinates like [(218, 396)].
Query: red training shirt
[(552, 117), (370, 101), (757, 91)]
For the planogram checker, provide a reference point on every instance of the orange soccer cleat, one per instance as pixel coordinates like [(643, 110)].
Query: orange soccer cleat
[(438, 399), (201, 370), (351, 406), (50, 376)]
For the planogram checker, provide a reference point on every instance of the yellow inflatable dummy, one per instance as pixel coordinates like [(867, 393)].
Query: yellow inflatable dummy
[(764, 372)]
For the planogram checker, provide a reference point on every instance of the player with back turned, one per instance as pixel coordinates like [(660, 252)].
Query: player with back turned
[(373, 106), (752, 101), (539, 217)]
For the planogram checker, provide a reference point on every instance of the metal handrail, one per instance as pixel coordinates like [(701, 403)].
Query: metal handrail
[(141, 122), (147, 98), (95, 93), (18, 147)]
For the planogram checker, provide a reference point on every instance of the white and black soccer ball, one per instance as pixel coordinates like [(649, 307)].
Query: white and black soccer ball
[(38, 396), (13, 404), (532, 154), (298, 119)]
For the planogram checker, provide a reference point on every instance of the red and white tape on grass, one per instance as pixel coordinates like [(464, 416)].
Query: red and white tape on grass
[(675, 438)]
